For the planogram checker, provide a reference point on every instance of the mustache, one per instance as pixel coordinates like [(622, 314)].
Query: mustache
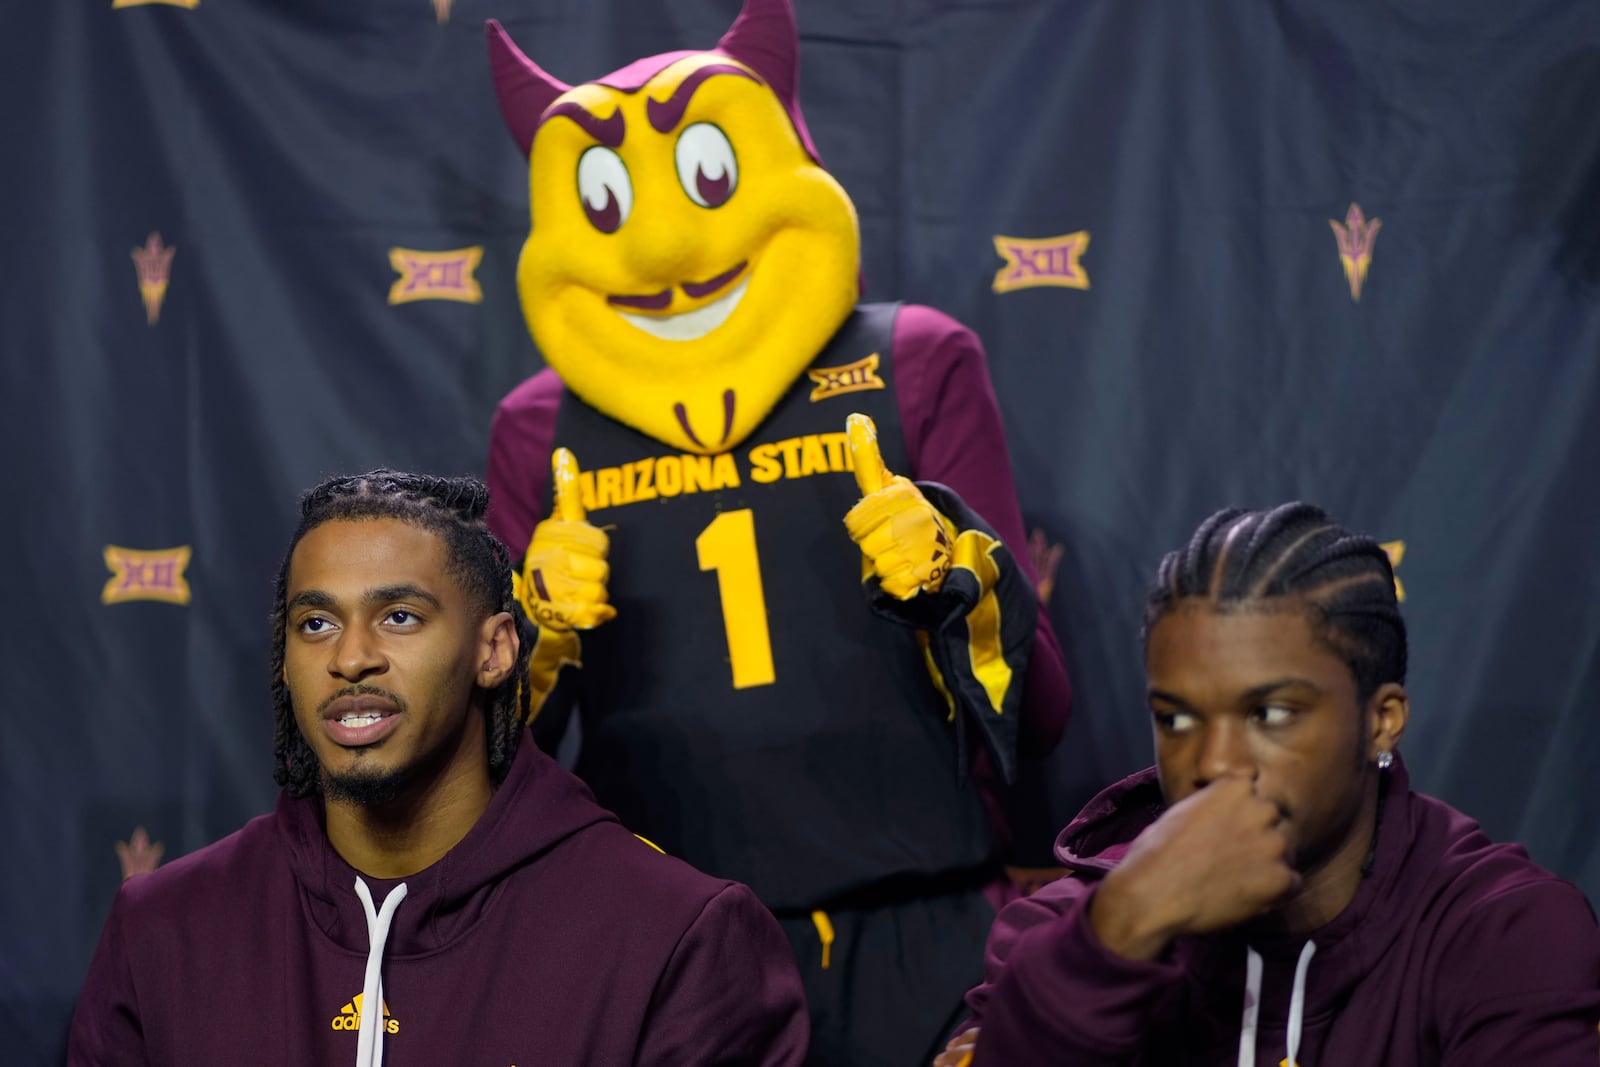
[(364, 690)]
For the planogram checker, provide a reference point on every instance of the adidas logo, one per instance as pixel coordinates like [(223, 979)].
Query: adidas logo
[(349, 1017)]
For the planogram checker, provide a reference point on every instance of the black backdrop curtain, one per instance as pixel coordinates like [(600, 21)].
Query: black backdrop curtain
[(250, 243)]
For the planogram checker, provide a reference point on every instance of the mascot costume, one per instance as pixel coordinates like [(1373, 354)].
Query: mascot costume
[(825, 710)]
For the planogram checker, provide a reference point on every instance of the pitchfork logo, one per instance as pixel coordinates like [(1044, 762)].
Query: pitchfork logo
[(154, 264), (1356, 238), (138, 855), (435, 275), (1033, 261)]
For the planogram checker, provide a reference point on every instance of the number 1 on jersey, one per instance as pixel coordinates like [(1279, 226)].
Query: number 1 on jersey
[(728, 546)]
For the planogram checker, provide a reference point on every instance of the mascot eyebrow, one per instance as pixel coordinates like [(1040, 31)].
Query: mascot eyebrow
[(608, 131), (666, 114)]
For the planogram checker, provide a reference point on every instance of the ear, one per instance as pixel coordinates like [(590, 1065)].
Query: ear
[(498, 647), (1387, 713)]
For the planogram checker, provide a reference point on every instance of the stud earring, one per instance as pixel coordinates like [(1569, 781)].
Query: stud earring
[(1385, 760)]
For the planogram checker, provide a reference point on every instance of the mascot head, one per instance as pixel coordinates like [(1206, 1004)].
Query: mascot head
[(689, 255)]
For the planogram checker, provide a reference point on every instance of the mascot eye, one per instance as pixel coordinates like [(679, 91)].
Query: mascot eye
[(604, 188), (706, 167)]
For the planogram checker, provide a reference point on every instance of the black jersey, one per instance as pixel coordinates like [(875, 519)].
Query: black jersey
[(746, 710)]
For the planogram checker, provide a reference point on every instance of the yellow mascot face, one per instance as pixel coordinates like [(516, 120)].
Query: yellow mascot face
[(688, 256)]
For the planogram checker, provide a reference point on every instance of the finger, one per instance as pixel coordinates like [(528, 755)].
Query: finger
[(586, 593), (563, 587), (570, 538), (589, 616), (880, 542), (569, 502), (588, 569), (901, 586), (894, 568), (864, 454)]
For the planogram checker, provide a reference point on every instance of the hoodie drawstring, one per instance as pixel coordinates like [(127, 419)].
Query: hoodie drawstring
[(1252, 1006), (1297, 1003), (369, 1042)]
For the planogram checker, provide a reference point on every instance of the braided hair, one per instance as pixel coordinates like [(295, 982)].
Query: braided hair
[(1239, 558), (453, 509)]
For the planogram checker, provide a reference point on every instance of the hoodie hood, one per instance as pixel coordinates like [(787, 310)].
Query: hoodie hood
[(1452, 947), (536, 808), (1099, 837), (1219, 967)]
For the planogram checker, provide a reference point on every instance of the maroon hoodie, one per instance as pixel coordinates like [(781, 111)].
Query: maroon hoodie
[(548, 936), (1455, 952)]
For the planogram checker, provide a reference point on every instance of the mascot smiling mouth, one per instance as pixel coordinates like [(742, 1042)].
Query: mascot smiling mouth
[(686, 325)]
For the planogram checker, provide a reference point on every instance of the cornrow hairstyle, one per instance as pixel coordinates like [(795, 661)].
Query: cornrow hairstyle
[(1238, 558), (453, 509)]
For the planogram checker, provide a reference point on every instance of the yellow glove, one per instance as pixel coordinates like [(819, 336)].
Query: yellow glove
[(563, 581), (904, 539)]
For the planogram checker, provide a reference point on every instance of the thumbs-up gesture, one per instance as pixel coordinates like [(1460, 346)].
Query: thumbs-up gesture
[(564, 573), (905, 539)]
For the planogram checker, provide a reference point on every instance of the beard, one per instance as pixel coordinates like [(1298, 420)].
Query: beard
[(365, 788)]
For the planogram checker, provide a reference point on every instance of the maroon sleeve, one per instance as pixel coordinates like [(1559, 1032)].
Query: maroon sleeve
[(1519, 981), (730, 994), (520, 440), (106, 1028), (1052, 993), (955, 437)]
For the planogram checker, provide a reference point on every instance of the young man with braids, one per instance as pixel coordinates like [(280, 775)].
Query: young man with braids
[(429, 890), (1272, 891)]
